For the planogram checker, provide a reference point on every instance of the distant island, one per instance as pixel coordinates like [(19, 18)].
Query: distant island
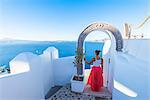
[(17, 41)]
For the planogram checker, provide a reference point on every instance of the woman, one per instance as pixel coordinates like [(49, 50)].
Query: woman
[(95, 79)]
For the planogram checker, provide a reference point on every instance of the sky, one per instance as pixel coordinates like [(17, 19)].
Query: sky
[(49, 20)]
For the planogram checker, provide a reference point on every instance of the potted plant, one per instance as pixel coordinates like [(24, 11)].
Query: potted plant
[(77, 81)]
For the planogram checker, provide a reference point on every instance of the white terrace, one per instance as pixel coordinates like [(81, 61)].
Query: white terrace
[(34, 75)]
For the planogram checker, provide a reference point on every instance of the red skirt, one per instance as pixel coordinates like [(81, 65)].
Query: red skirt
[(95, 79)]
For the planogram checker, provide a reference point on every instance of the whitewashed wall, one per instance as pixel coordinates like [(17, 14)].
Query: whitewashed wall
[(56, 71), (32, 75), (26, 85), (47, 58), (21, 65), (132, 71), (106, 57), (63, 70), (139, 48), (109, 50)]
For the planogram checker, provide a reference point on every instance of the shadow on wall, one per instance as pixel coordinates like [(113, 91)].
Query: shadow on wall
[(45, 71)]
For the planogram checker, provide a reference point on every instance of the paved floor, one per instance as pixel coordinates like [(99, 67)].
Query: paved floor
[(65, 93), (104, 93)]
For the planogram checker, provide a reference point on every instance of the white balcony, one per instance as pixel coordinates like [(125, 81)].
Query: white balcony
[(32, 76)]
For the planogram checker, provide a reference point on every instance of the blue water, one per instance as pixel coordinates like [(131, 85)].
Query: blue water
[(9, 50)]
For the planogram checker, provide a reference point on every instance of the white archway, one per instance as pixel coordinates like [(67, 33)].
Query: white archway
[(96, 26)]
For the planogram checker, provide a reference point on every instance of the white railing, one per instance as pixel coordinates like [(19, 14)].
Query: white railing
[(130, 27)]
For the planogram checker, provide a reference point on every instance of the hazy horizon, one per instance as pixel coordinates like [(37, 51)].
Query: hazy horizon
[(11, 39)]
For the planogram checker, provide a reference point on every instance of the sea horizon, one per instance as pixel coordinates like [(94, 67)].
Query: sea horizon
[(11, 48)]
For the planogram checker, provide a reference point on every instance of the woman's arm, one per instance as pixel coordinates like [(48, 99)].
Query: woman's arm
[(90, 61)]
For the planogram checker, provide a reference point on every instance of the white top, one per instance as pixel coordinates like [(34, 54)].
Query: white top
[(97, 63)]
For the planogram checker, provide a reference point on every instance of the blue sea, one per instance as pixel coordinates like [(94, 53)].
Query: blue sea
[(8, 50)]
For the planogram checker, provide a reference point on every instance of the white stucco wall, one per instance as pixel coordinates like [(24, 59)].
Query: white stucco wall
[(21, 65), (63, 70), (32, 75), (109, 50), (56, 71), (132, 71), (47, 58), (139, 48), (106, 64), (23, 86)]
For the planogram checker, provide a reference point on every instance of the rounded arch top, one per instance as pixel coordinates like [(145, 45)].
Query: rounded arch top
[(102, 27)]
